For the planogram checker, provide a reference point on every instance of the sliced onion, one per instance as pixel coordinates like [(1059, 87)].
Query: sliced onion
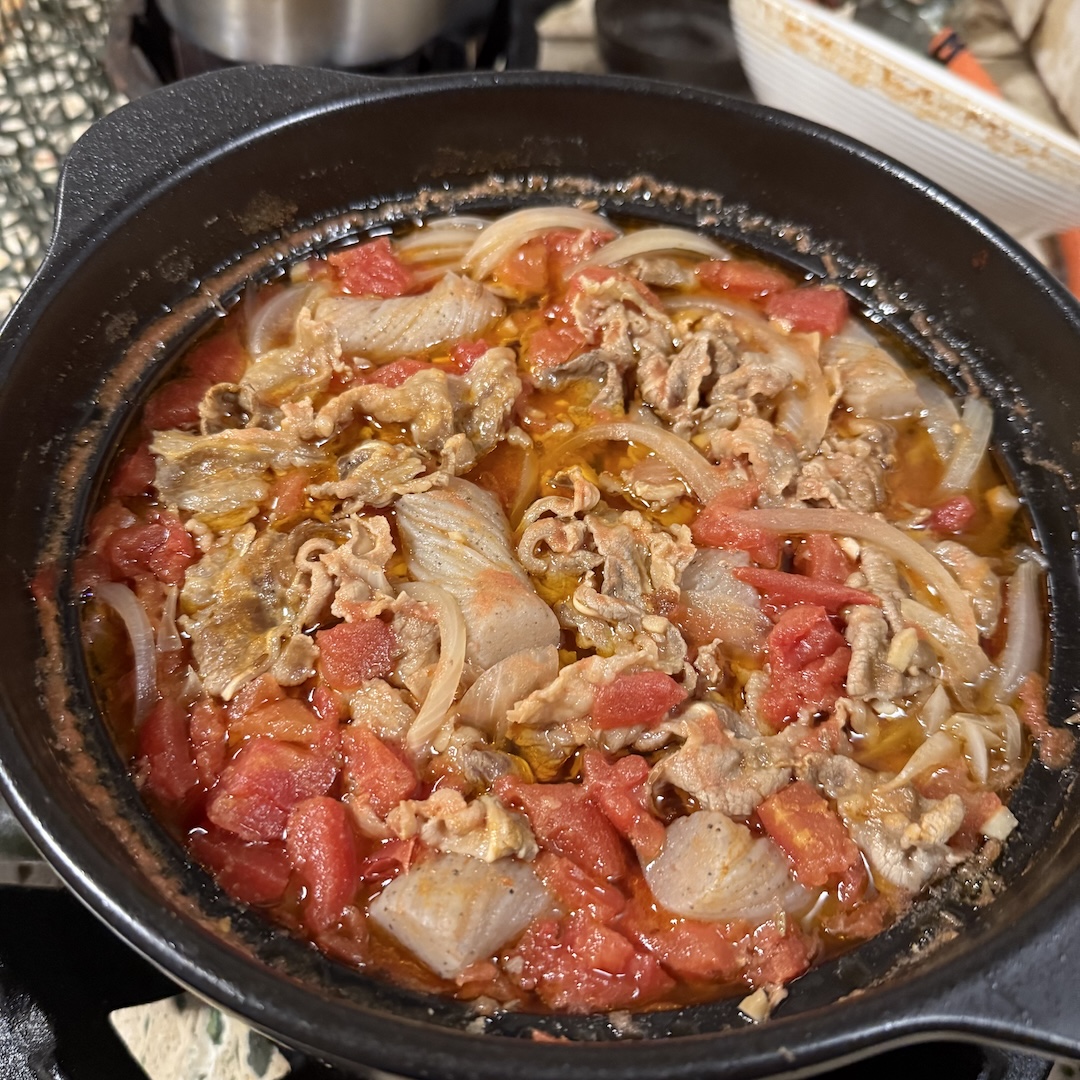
[(974, 438), (1024, 629), (509, 232), (485, 704), (941, 418), (939, 749), (700, 476), (1014, 734), (873, 530), (447, 675), (168, 637), (975, 743), (137, 623), (654, 241), (935, 710), (528, 482), (967, 662), (443, 240), (713, 868), (999, 824), (271, 324)]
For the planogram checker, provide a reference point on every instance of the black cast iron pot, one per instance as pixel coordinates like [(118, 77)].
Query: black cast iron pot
[(170, 204)]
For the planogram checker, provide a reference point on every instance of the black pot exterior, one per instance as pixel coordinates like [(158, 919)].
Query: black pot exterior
[(168, 205)]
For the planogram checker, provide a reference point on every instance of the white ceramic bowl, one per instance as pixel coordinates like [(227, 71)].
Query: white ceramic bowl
[(1021, 173)]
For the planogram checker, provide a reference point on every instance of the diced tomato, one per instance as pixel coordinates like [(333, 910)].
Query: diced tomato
[(619, 789), (743, 277), (701, 951), (861, 921), (716, 526), (174, 405), (778, 954), (979, 805), (134, 473), (320, 843), (372, 269), (253, 873), (391, 858), (397, 372), (641, 697), (577, 890), (568, 247), (526, 269), (808, 661), (374, 773), (252, 695), (287, 719), (165, 745), (579, 965), (819, 556), (806, 828), (565, 821), (262, 784), (1055, 745), (820, 309), (217, 359), (289, 493), (780, 590), (551, 346), (353, 652), (328, 704), (465, 353), (209, 738), (953, 515), (162, 547)]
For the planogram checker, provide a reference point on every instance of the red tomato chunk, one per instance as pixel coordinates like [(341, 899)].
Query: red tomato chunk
[(782, 590), (642, 697), (353, 652), (163, 548), (810, 309), (953, 515), (743, 277), (165, 747), (808, 831), (372, 269), (253, 873), (322, 848), (566, 822), (374, 773), (619, 789), (808, 661), (262, 784)]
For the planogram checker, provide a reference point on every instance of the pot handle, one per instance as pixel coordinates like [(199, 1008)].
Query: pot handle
[(1027, 995), (128, 152)]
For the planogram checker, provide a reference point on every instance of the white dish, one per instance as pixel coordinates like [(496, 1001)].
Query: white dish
[(1021, 173)]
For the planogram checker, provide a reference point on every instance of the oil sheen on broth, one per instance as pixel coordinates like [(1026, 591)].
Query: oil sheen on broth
[(568, 615)]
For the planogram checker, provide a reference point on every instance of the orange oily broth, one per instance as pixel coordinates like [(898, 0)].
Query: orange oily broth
[(549, 416)]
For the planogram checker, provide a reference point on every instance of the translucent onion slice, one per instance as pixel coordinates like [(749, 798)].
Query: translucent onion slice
[(509, 232), (1014, 734), (689, 464), (168, 637), (444, 682), (272, 324), (940, 417), (977, 421), (443, 240), (939, 749), (1024, 629), (713, 868), (978, 758), (964, 661), (654, 241), (137, 623), (873, 530)]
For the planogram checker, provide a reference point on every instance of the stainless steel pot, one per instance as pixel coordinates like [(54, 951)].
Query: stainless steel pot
[(343, 33)]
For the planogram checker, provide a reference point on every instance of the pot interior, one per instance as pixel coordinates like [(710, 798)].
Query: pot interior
[(97, 331)]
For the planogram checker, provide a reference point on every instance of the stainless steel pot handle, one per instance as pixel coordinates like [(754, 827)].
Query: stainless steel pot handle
[(126, 154)]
